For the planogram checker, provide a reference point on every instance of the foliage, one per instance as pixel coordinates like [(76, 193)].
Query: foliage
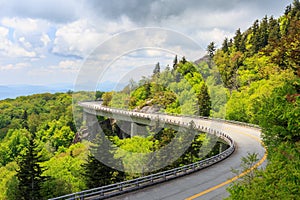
[(29, 174), (259, 69), (180, 90), (49, 118), (279, 116), (269, 96), (280, 179), (65, 171), (96, 173)]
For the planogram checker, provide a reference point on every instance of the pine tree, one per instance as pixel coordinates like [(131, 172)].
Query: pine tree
[(183, 60), (255, 37), (30, 173), (204, 101), (24, 120), (175, 62), (225, 47), (97, 173), (263, 33), (156, 71), (238, 39), (288, 9), (211, 48), (274, 30)]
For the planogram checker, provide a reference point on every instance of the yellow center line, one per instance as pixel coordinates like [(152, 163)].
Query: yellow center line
[(238, 176)]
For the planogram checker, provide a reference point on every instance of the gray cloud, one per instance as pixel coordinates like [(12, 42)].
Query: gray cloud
[(142, 12), (154, 11), (54, 10)]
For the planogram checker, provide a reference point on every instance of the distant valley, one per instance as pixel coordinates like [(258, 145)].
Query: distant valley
[(13, 91)]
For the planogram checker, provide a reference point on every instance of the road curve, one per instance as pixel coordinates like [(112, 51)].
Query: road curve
[(209, 183)]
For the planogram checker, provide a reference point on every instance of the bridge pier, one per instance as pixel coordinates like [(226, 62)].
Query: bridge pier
[(133, 129), (92, 124), (138, 130)]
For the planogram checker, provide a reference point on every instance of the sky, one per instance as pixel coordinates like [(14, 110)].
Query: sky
[(52, 42)]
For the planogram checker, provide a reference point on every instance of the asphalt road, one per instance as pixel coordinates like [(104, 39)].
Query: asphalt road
[(188, 186), (209, 183)]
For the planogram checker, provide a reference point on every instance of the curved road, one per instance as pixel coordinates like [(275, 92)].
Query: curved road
[(209, 183)]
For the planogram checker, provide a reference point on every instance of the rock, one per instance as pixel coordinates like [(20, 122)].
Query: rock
[(150, 109)]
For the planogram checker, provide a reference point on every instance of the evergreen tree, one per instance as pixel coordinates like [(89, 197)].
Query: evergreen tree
[(24, 120), (156, 70), (204, 101), (225, 47), (183, 60), (274, 30), (263, 33), (288, 9), (30, 173), (238, 39), (211, 49), (296, 5), (254, 41), (175, 62), (98, 174)]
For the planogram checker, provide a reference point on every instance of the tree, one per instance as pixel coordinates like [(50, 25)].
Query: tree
[(107, 97), (279, 115), (228, 66), (288, 9), (30, 173), (274, 30), (96, 173), (156, 71), (211, 48), (225, 47), (263, 33), (254, 40), (204, 101), (238, 39), (296, 5), (175, 62), (98, 94)]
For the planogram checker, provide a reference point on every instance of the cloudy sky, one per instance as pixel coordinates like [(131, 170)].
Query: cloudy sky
[(47, 42)]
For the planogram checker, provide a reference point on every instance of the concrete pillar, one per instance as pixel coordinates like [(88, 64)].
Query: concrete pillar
[(133, 130), (92, 124)]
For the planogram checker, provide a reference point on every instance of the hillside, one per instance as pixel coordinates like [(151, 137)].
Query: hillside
[(254, 77)]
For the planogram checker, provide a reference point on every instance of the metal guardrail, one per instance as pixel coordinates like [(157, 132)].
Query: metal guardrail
[(99, 106), (141, 182)]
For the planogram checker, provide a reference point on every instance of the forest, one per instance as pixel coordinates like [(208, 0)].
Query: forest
[(253, 77)]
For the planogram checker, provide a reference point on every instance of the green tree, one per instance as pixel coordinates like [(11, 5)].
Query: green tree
[(107, 97), (96, 172), (204, 101), (238, 39), (156, 71), (279, 115), (211, 48), (98, 94), (225, 47), (274, 30), (30, 173), (175, 62)]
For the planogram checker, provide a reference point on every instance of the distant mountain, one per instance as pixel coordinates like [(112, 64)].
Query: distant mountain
[(205, 58), (13, 91)]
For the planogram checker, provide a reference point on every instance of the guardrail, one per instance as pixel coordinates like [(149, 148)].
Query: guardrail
[(100, 107), (138, 183)]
